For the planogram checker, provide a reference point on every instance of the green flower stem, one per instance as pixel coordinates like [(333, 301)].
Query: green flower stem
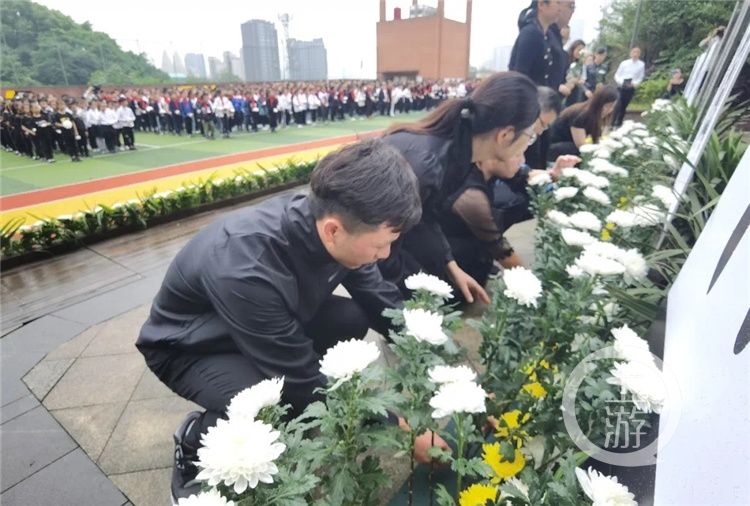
[(460, 439)]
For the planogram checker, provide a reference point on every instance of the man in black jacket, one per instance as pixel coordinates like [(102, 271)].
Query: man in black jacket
[(250, 296)]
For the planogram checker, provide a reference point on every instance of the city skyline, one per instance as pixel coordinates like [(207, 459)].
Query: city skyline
[(347, 32)]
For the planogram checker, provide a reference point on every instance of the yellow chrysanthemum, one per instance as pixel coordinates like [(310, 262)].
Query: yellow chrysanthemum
[(535, 389), (610, 226), (543, 362), (502, 468), (605, 235), (477, 495), (622, 202), (510, 420)]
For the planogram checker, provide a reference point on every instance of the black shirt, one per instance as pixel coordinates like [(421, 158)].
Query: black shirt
[(249, 282), (533, 53), (560, 129), (424, 247)]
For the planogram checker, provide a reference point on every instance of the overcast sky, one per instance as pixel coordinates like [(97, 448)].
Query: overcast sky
[(346, 26)]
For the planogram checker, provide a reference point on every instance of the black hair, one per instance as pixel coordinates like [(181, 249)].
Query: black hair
[(504, 99), (366, 184)]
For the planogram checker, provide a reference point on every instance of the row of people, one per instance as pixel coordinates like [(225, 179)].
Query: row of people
[(251, 296)]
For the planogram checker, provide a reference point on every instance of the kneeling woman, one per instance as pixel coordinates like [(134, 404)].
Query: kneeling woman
[(494, 124), (586, 119)]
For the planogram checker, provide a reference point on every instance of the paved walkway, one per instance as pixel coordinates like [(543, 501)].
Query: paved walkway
[(83, 420)]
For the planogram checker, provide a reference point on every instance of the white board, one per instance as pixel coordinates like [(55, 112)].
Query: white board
[(706, 461)]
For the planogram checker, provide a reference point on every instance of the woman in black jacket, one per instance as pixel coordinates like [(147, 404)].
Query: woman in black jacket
[(495, 123)]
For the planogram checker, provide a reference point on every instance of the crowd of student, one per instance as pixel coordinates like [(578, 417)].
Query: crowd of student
[(38, 125)]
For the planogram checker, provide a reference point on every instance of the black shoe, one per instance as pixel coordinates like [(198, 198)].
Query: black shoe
[(184, 471)]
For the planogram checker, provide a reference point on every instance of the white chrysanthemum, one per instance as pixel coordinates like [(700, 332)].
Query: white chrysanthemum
[(611, 143), (671, 161), (630, 152), (425, 326), (604, 490), (626, 219), (661, 104), (643, 380), (540, 179), (665, 194), (430, 283), (627, 142), (570, 172), (238, 179), (558, 218), (630, 346), (460, 397), (565, 192), (601, 166), (585, 220), (346, 358), (573, 237), (209, 498), (603, 152), (635, 265), (574, 271), (596, 195), (248, 403), (597, 265), (648, 214), (588, 148), (133, 202), (65, 217), (522, 285), (587, 178), (25, 228), (605, 249), (239, 454), (441, 374)]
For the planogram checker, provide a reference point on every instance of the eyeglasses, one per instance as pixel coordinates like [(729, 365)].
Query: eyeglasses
[(532, 137)]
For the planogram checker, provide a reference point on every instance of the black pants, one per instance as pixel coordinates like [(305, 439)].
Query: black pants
[(211, 380), (127, 137), (626, 95)]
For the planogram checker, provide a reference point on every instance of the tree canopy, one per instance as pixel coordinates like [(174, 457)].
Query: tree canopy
[(668, 32), (41, 46)]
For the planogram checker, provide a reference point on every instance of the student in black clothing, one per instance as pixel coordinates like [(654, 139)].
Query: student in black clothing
[(676, 84), (494, 123), (533, 52), (42, 134), (586, 119), (596, 72), (67, 130), (250, 296)]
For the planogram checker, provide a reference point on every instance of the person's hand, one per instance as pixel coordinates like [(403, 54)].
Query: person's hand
[(466, 284), (589, 94), (564, 90), (563, 162), (424, 442)]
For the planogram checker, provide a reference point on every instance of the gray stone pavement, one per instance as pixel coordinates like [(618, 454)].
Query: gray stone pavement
[(84, 422)]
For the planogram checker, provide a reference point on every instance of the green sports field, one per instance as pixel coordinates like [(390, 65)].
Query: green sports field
[(21, 174)]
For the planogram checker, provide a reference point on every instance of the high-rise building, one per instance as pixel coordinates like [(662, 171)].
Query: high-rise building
[(216, 67), (166, 63), (260, 50), (179, 66), (234, 64), (308, 60), (195, 65)]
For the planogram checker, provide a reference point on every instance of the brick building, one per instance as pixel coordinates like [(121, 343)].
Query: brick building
[(426, 44)]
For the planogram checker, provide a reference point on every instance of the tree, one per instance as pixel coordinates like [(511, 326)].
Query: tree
[(43, 46), (668, 31)]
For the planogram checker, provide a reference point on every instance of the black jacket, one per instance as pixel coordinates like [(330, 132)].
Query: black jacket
[(537, 54), (424, 247), (249, 282)]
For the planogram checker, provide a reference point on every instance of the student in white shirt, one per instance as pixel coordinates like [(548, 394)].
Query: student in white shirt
[(126, 122), (109, 118), (629, 76)]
